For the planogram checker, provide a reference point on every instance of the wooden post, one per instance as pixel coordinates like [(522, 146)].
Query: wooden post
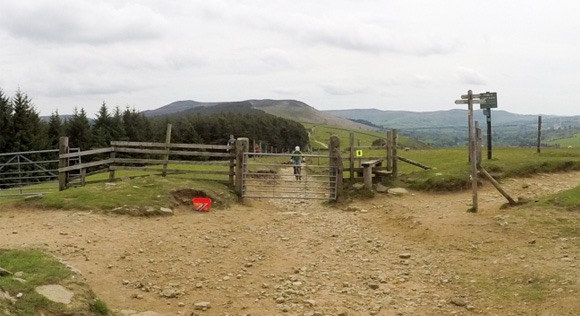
[(394, 155), (167, 142), (368, 176), (472, 152), (336, 165), (62, 163), (83, 176), (351, 158), (242, 148), (389, 151), (112, 171), (497, 186), (539, 134), (232, 165)]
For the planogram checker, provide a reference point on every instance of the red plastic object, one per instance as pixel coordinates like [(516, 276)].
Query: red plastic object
[(202, 204)]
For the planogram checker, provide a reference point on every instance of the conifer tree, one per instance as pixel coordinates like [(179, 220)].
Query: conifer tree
[(55, 130), (29, 131), (6, 127), (102, 128), (78, 130)]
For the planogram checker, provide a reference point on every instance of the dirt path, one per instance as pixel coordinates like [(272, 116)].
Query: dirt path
[(390, 255)]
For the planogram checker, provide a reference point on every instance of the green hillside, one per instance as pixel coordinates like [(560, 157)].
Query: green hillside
[(573, 142), (320, 134)]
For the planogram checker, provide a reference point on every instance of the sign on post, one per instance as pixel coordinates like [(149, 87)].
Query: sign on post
[(359, 153), (488, 100)]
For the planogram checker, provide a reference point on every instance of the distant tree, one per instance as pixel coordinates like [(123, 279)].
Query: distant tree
[(6, 127), (102, 129), (55, 130), (137, 126), (29, 131), (78, 130), (117, 126)]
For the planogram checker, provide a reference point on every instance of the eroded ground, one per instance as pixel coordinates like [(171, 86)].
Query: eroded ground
[(416, 254)]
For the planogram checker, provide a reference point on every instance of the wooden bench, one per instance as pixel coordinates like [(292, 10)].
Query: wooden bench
[(368, 171)]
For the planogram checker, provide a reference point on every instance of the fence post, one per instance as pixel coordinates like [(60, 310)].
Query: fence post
[(538, 150), (242, 146), (389, 151), (336, 166), (167, 142), (62, 163), (112, 171), (351, 158), (394, 144)]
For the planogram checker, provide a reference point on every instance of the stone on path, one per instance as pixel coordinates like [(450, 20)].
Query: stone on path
[(56, 293)]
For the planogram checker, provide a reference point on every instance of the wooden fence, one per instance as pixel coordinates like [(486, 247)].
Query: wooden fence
[(168, 158), (157, 158)]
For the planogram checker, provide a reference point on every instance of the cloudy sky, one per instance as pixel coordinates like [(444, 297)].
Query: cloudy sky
[(414, 55)]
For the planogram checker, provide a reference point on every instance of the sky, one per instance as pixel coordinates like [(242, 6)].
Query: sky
[(413, 55)]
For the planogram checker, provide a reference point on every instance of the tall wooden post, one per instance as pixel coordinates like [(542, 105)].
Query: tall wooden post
[(336, 166), (62, 163), (472, 152), (242, 147), (389, 151), (111, 170), (539, 134), (395, 154), (167, 148), (351, 158)]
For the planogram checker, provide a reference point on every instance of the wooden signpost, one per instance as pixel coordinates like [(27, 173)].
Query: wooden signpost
[(487, 101)]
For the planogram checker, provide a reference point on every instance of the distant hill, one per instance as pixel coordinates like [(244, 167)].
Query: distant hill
[(290, 109), (456, 117), (449, 128)]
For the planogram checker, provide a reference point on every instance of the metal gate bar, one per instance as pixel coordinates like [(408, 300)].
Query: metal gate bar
[(265, 179)]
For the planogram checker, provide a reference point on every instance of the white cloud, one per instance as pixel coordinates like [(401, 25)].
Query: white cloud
[(400, 54), (74, 21)]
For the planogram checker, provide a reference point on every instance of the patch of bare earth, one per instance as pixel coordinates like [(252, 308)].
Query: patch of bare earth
[(415, 254)]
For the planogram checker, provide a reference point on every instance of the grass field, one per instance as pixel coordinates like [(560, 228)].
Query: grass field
[(574, 142), (320, 134)]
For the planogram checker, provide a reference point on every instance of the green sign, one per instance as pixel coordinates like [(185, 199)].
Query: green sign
[(359, 153), (488, 100)]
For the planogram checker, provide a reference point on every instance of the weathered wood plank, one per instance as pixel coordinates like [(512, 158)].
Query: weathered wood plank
[(87, 152), (85, 165)]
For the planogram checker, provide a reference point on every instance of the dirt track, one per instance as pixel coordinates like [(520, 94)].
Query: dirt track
[(416, 254)]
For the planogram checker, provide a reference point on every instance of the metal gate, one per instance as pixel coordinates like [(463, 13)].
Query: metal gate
[(268, 175), (28, 173)]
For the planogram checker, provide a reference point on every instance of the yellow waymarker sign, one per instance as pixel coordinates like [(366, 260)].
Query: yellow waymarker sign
[(359, 153)]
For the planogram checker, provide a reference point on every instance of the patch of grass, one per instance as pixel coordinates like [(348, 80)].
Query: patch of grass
[(140, 192), (569, 199), (36, 269), (99, 307), (451, 169)]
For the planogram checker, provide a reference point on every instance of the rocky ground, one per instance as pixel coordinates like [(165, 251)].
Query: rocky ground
[(411, 254)]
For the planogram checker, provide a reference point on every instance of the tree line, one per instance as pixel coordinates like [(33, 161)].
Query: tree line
[(22, 128)]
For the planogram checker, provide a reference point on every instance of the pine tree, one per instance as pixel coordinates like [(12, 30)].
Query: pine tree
[(29, 130), (55, 130), (6, 127), (117, 126), (78, 130), (102, 128)]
